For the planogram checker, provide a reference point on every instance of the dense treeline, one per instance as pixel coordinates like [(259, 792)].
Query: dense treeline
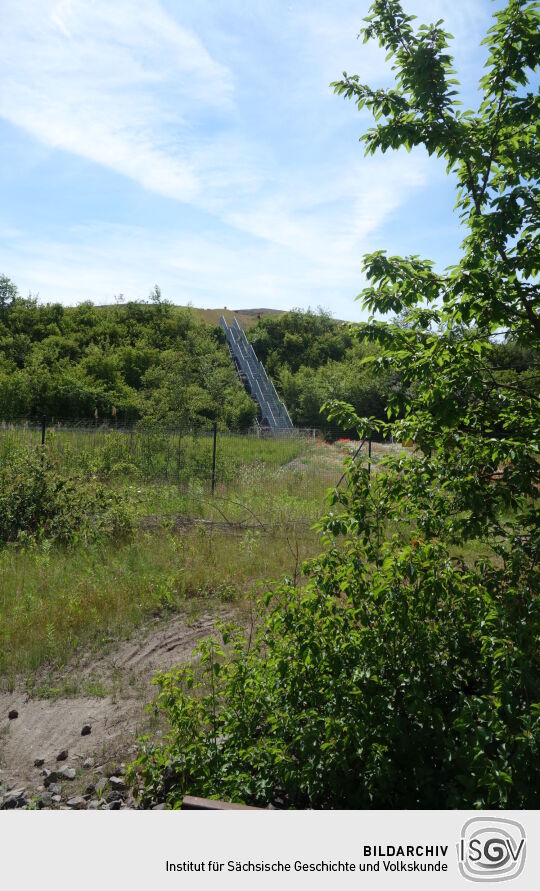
[(148, 361), (154, 362), (160, 364), (314, 358)]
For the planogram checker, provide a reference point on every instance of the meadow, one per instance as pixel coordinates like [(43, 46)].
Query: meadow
[(180, 545)]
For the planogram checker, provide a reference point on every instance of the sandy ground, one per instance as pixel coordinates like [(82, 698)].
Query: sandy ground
[(47, 726)]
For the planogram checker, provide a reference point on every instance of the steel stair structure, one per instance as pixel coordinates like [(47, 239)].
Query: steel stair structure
[(274, 414)]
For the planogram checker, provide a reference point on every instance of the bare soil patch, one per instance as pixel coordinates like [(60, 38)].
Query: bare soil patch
[(49, 721)]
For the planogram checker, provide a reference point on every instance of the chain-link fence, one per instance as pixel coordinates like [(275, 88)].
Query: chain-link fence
[(253, 478), (211, 456)]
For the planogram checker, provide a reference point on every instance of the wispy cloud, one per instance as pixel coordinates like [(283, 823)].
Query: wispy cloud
[(226, 110), (333, 219), (114, 82), (301, 250)]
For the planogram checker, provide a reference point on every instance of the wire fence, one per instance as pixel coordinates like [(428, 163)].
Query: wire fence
[(250, 480), (210, 456)]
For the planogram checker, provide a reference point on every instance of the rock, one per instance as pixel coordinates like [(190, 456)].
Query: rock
[(63, 755), (9, 803), (45, 800), (55, 788), (13, 714), (118, 784), (39, 762), (90, 789), (169, 776), (50, 777), (67, 773), (77, 803), (57, 799), (101, 784), (115, 805), (93, 805), (86, 730), (15, 798), (160, 807), (88, 764)]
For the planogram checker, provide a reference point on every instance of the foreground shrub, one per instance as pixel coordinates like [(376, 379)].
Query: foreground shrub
[(39, 501), (408, 684)]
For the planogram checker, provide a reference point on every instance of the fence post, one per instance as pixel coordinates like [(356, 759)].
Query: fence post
[(43, 428), (214, 458)]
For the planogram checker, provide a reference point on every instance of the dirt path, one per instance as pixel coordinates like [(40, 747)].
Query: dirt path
[(47, 726)]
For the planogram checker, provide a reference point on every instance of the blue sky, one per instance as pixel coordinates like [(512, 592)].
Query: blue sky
[(199, 146)]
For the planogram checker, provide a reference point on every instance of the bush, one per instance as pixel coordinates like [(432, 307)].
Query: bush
[(404, 679), (38, 501)]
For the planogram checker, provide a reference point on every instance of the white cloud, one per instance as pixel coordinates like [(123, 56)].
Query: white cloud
[(111, 82), (335, 218), (239, 125), (301, 251)]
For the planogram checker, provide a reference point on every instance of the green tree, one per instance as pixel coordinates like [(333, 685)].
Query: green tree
[(297, 338), (445, 351), (8, 293), (406, 673), (155, 363)]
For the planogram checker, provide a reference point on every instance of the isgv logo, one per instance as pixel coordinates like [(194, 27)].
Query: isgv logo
[(491, 849)]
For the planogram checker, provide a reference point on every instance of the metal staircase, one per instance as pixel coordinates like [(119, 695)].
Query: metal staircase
[(255, 379)]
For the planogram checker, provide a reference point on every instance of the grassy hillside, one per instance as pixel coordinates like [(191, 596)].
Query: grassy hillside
[(246, 317)]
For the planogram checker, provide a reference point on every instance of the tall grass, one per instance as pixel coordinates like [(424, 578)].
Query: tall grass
[(55, 602), (189, 547), (154, 454)]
